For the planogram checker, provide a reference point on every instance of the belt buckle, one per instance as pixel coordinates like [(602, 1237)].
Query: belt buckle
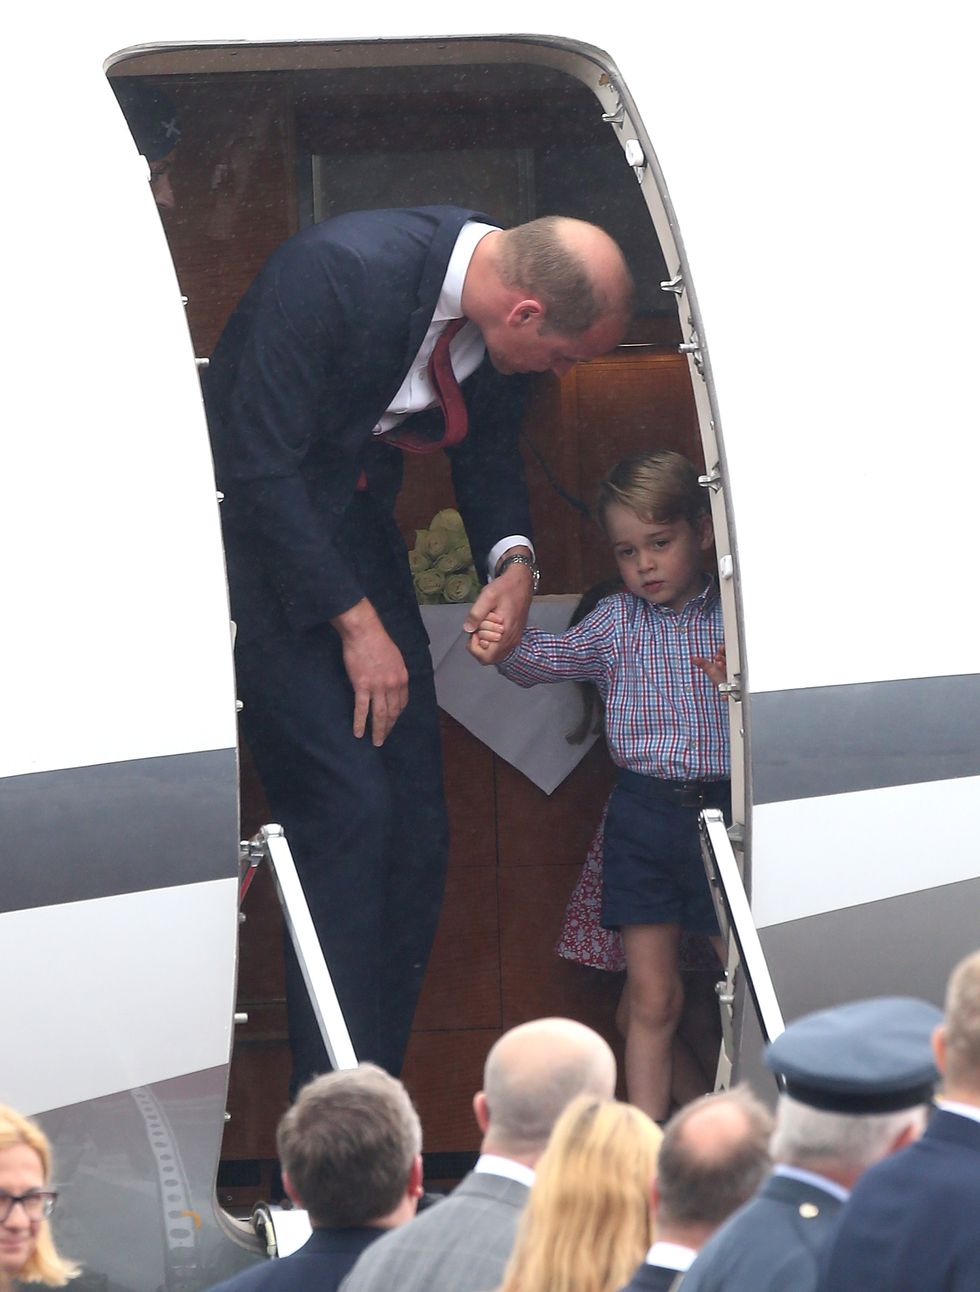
[(691, 795)]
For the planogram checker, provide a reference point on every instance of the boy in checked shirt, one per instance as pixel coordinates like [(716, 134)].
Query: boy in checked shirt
[(656, 654)]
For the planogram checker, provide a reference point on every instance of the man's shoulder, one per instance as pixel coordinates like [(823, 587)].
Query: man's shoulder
[(942, 1167), (475, 1224), (374, 228), (479, 1194), (277, 1275), (770, 1243)]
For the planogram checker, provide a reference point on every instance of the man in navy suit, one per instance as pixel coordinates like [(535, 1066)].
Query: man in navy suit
[(912, 1223), (319, 376), (462, 1245), (856, 1082), (713, 1157), (349, 1149)]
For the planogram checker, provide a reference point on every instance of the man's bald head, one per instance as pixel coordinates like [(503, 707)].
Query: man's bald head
[(532, 1072), (575, 269), (714, 1156)]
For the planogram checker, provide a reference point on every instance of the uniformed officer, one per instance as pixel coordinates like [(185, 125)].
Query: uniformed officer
[(856, 1081)]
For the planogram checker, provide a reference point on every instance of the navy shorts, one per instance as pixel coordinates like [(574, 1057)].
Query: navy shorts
[(652, 872)]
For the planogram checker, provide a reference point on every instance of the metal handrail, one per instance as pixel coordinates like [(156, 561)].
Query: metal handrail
[(732, 906), (270, 843)]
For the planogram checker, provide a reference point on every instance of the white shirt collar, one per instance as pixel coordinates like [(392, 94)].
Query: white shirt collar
[(493, 1164), (962, 1110), (671, 1256), (450, 302), (811, 1177)]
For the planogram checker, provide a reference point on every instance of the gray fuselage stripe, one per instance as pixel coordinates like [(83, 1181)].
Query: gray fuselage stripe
[(900, 946), (838, 739), (86, 832)]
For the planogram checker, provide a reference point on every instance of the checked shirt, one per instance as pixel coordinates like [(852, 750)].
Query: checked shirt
[(664, 716)]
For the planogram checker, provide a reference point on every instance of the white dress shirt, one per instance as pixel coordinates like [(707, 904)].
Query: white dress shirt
[(466, 353), (961, 1110), (671, 1256), (493, 1164)]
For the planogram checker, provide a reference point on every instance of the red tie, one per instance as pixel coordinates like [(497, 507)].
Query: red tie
[(448, 394)]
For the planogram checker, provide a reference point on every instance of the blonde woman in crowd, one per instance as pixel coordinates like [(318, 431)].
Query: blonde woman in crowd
[(27, 1250), (587, 1225)]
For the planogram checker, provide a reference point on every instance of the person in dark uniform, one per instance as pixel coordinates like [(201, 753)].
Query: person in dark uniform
[(857, 1079), (333, 362), (913, 1222)]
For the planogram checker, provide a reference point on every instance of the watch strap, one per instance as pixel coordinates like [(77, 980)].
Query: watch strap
[(518, 558)]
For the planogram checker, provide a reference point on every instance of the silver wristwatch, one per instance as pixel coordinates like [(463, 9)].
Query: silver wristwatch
[(520, 559)]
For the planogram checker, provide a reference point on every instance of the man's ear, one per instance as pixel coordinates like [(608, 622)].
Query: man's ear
[(939, 1048), (655, 1198), (525, 312), (908, 1136), (414, 1188), (481, 1112), (291, 1193)]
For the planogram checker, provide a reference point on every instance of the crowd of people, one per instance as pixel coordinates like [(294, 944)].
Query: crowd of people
[(864, 1176)]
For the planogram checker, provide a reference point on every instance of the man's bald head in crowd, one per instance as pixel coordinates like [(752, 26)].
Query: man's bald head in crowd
[(713, 1158), (532, 1072)]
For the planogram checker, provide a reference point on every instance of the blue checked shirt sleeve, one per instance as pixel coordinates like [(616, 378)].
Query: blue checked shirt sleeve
[(585, 653)]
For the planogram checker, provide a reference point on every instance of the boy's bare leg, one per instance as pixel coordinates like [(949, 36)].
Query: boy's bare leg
[(656, 998), (690, 1075)]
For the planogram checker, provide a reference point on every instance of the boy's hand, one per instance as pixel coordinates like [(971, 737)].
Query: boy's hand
[(509, 599), (488, 634), (716, 667)]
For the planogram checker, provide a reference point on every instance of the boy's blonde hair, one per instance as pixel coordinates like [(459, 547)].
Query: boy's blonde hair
[(660, 486), (44, 1265), (587, 1224)]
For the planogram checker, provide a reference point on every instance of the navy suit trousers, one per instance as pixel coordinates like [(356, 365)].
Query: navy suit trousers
[(366, 826)]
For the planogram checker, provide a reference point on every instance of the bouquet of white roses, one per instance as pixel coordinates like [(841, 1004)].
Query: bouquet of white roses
[(442, 563)]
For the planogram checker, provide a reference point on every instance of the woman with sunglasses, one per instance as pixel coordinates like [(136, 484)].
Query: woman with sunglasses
[(27, 1250)]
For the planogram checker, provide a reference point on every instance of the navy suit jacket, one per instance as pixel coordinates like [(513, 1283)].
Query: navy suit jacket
[(913, 1221), (772, 1244), (318, 1266), (306, 365)]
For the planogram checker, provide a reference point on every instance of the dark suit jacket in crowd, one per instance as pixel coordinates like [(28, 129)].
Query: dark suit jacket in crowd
[(458, 1245), (912, 1223), (305, 367), (318, 1266), (771, 1245)]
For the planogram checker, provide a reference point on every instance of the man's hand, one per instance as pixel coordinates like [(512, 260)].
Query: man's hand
[(508, 599), (376, 670)]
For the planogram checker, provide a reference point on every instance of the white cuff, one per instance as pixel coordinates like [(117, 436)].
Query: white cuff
[(498, 549)]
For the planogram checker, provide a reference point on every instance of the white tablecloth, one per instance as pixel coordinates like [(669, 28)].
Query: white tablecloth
[(527, 727)]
